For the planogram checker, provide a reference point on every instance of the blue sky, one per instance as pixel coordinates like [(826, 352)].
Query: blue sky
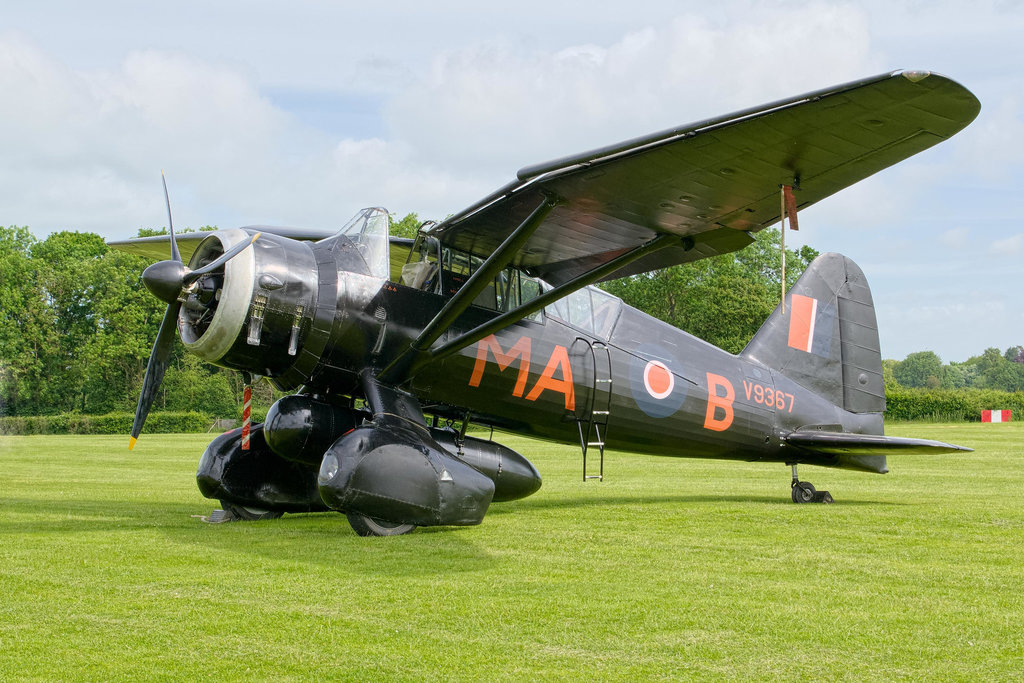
[(301, 113)]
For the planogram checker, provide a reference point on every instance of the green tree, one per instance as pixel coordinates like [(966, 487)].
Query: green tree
[(101, 320), (995, 371), (921, 369), (888, 374), (127, 318), (1015, 354), (191, 384), (77, 326), (24, 340), (406, 227), (957, 376)]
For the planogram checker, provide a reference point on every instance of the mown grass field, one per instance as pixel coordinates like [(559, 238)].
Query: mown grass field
[(670, 569)]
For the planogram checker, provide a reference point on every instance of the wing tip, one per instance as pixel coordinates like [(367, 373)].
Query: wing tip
[(914, 75)]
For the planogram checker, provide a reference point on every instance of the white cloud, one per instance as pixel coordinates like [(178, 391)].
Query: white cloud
[(994, 146), (84, 148), (955, 238), (1011, 246), (504, 106), (84, 145)]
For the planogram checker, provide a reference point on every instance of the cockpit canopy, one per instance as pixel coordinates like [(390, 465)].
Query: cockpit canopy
[(427, 264), (368, 232)]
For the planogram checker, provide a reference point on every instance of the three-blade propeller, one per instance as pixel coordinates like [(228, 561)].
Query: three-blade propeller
[(170, 281)]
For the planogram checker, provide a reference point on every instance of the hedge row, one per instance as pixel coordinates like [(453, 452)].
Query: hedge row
[(111, 423), (945, 405), (950, 405)]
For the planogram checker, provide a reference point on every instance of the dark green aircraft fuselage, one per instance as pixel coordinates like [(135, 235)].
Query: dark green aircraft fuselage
[(669, 393)]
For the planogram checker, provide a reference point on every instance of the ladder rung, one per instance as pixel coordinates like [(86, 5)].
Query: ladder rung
[(604, 381), (593, 476), (601, 412), (595, 443)]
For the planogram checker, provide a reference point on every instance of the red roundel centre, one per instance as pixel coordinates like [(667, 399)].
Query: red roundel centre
[(658, 380)]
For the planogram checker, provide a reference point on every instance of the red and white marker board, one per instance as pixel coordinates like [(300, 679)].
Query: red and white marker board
[(995, 415)]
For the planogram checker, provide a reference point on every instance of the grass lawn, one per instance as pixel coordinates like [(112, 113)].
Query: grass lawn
[(669, 569)]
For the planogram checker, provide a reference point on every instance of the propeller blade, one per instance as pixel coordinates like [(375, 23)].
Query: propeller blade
[(175, 254), (155, 369), (234, 251)]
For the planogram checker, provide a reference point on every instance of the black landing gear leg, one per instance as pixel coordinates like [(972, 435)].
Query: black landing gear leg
[(803, 491)]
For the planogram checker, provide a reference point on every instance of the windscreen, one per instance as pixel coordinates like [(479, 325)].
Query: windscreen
[(368, 230)]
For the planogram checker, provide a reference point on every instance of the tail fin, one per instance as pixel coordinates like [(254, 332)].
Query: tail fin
[(827, 340)]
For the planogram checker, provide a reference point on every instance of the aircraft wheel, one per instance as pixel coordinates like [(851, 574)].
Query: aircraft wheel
[(248, 514), (803, 492), (368, 526)]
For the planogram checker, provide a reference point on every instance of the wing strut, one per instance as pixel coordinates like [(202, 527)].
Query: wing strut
[(477, 282), (534, 305)]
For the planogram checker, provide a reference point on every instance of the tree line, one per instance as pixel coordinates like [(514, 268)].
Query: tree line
[(993, 369), (77, 325), (76, 329)]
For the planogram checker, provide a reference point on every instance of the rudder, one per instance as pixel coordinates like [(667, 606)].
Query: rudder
[(827, 340)]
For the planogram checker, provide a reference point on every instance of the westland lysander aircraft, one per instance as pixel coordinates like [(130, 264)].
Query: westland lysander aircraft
[(488, 317)]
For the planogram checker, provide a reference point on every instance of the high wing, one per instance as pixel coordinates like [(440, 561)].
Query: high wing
[(714, 181), (159, 246), (684, 194)]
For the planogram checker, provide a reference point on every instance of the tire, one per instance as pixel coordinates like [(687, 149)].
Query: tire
[(803, 492), (248, 514), (368, 526)]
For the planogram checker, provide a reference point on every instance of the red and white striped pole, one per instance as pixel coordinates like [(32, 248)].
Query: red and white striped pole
[(246, 410)]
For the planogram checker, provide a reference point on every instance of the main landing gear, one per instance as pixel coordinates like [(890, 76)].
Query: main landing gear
[(370, 526), (803, 491), (229, 512)]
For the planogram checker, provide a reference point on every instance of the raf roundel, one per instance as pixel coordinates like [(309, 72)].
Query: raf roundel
[(653, 372), (658, 379)]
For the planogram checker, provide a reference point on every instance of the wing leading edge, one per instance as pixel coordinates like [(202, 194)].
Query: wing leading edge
[(158, 247), (714, 181)]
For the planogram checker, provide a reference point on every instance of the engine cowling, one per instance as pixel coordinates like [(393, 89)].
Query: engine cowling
[(254, 313)]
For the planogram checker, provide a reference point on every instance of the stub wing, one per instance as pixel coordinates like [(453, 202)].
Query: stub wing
[(840, 443)]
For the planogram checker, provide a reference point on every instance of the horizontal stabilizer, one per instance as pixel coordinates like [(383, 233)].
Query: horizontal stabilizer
[(840, 443)]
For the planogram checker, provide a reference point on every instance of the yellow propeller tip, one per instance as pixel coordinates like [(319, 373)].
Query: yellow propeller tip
[(131, 442)]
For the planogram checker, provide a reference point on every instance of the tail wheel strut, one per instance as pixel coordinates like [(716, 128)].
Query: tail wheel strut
[(804, 491)]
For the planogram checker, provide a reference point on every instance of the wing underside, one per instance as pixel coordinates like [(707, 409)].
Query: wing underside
[(713, 181)]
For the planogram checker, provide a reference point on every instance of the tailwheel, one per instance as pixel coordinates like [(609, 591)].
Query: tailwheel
[(804, 492), (369, 526), (249, 514)]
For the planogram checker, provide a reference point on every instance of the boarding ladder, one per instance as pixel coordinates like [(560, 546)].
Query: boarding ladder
[(592, 421)]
